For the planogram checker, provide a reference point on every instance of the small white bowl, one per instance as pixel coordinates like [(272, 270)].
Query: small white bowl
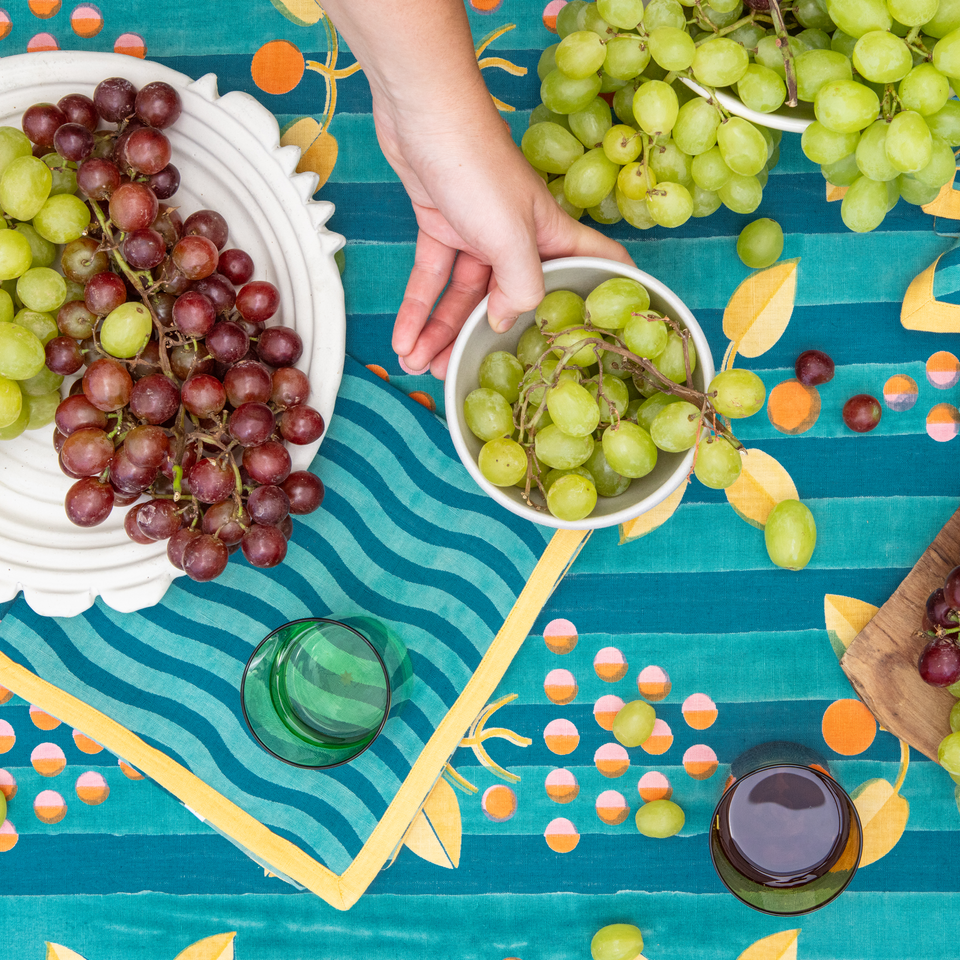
[(789, 119), (476, 340)]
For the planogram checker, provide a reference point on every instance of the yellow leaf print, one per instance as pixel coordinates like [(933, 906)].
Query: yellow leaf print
[(945, 204), (835, 193), (318, 148), (653, 518), (920, 310), (761, 307), (883, 812), (845, 618), (762, 484), (217, 947), (436, 832), (56, 952), (304, 13), (778, 946)]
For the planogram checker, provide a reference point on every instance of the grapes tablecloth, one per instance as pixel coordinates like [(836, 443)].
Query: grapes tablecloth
[(536, 847)]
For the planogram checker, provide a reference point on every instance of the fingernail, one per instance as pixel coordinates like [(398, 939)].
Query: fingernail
[(505, 323), (410, 370)]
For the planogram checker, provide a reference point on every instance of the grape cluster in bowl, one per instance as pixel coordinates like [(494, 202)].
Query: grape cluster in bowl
[(186, 395)]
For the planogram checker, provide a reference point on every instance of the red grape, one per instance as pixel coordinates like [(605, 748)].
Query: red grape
[(147, 151), (861, 413), (204, 558), (194, 256), (73, 142), (258, 301), (89, 502), (939, 662), (154, 398), (814, 367), (107, 384), (209, 224), (158, 104), (133, 206), (78, 108), (301, 424), (236, 265), (41, 122), (305, 491), (280, 346), (264, 546)]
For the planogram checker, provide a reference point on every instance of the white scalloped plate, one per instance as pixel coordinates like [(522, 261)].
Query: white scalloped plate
[(788, 119), (230, 159)]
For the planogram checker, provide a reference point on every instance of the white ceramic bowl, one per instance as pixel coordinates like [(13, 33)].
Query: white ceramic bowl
[(476, 340), (229, 155), (789, 119)]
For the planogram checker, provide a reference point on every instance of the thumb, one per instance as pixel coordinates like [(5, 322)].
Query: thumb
[(516, 287)]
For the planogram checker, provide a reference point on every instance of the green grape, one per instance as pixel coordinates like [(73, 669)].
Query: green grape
[(540, 114), (591, 123), (555, 187), (553, 475), (487, 414), (41, 410), (42, 325), (955, 717), (924, 89), (64, 174), (593, 21), (558, 449), (790, 534), (942, 166), (946, 55), (741, 194), (502, 461), (612, 364), (948, 753), (13, 144), (672, 48), (670, 163), (845, 106), (723, 6), (646, 335), (548, 146), (813, 13), (622, 144), (871, 153), (882, 57), (635, 212), (770, 56), (572, 497), (827, 146), (843, 173), (44, 252), (649, 408), (562, 94), (722, 19), (625, 14), (568, 17), (944, 21), (695, 130), (742, 146), (740, 393), (709, 170), (610, 84), (761, 89), (655, 107), (909, 144), (814, 68), (748, 35), (629, 449), (893, 193), (857, 17), (42, 289), (671, 362), (670, 204), (864, 205), (558, 310), (17, 427), (705, 202), (634, 723), (608, 482), (573, 409), (21, 352), (912, 13), (606, 211), (15, 254), (547, 61), (502, 371), (611, 304), (915, 192), (24, 187), (617, 941), (531, 346), (6, 307), (814, 39), (590, 178), (11, 401), (623, 102), (626, 58), (660, 819), (124, 331), (614, 391), (580, 54), (664, 13), (636, 179), (762, 177), (585, 356), (718, 463), (760, 243), (843, 43), (676, 427), (720, 62), (43, 382)]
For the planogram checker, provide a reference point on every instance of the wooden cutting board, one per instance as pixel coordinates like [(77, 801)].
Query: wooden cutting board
[(881, 661)]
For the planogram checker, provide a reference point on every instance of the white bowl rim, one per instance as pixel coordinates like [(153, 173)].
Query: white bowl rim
[(683, 468), (778, 120)]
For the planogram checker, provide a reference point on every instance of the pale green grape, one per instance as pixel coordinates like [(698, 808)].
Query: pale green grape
[(62, 219), (723, 19), (568, 17), (709, 170), (790, 534), (649, 408), (718, 463), (562, 94), (6, 307), (664, 13), (760, 243), (585, 356), (573, 409), (531, 346), (590, 178), (614, 392), (671, 362), (625, 14), (634, 723), (487, 413), (21, 352), (660, 819), (547, 61), (695, 130), (720, 62), (502, 371), (646, 335), (827, 146), (617, 941), (626, 58), (64, 174), (591, 123), (741, 194), (125, 331), (705, 202), (11, 401), (558, 310), (502, 461), (41, 410), (623, 102), (43, 382), (893, 193), (548, 146), (608, 482), (955, 717), (572, 497), (629, 449), (42, 289), (670, 204), (672, 48), (816, 67), (676, 427), (946, 54), (814, 39), (13, 430), (613, 302), (553, 475), (13, 143), (871, 153), (635, 180), (748, 35), (44, 252), (723, 6), (742, 146), (912, 13), (846, 106), (558, 449), (843, 173), (909, 145), (864, 205), (655, 107), (580, 54), (948, 753), (555, 187), (770, 56), (42, 325), (24, 187), (15, 254), (939, 170), (813, 13), (882, 57), (669, 162), (622, 144), (635, 212), (924, 89), (857, 17), (592, 20), (540, 114), (761, 89), (740, 393), (915, 192), (843, 43)]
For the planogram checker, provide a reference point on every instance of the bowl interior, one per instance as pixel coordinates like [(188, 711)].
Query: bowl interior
[(580, 274)]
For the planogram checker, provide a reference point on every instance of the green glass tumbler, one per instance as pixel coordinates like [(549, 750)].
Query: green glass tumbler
[(317, 692)]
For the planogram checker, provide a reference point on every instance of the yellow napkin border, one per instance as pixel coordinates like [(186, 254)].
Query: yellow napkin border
[(340, 890)]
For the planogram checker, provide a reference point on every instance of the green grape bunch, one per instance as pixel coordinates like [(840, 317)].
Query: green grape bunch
[(620, 135), (597, 389)]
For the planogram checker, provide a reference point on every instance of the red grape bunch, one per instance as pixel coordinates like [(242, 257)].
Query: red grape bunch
[(939, 661), (186, 399)]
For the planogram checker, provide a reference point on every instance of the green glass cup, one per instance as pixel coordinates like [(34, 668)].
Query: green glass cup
[(317, 692), (785, 837)]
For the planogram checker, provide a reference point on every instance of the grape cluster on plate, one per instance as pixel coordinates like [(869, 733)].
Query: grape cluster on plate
[(185, 399)]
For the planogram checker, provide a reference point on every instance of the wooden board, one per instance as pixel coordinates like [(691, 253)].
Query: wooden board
[(881, 662)]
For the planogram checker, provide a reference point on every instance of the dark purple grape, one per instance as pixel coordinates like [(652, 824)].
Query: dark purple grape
[(132, 528), (814, 367), (211, 482), (248, 380), (128, 477), (279, 346), (76, 412), (154, 398), (219, 290), (188, 359), (862, 413), (203, 396), (162, 304), (147, 151), (98, 178), (79, 108), (226, 521), (227, 342), (104, 292), (209, 224), (88, 502), (144, 249), (107, 384), (158, 104), (268, 505), (264, 546), (168, 223), (164, 183), (171, 280), (301, 424), (87, 452), (159, 519), (133, 206), (236, 265), (63, 355), (147, 361), (73, 142), (195, 256), (304, 490), (204, 558), (147, 445), (41, 121), (290, 386), (939, 662), (258, 301), (951, 588), (193, 314), (251, 424), (939, 611), (267, 463), (178, 542), (115, 99)]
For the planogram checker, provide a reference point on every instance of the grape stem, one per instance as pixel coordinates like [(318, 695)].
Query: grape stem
[(783, 42)]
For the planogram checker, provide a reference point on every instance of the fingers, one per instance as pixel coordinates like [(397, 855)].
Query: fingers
[(579, 240), (518, 283), (432, 264)]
